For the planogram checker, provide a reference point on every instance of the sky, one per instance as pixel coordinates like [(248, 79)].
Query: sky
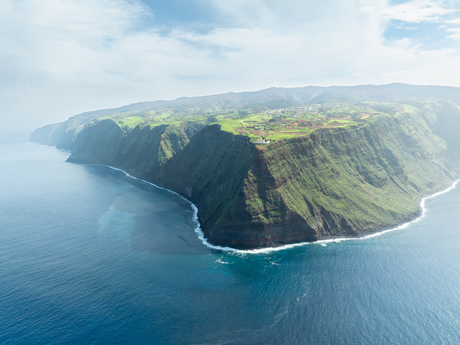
[(59, 58)]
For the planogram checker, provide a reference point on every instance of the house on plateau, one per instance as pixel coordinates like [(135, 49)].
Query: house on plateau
[(263, 141)]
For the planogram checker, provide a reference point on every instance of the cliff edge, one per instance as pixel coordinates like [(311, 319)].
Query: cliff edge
[(327, 173)]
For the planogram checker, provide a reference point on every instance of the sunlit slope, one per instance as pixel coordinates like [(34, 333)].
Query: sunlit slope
[(335, 182), (272, 176)]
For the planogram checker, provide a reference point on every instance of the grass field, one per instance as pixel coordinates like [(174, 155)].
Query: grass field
[(270, 125)]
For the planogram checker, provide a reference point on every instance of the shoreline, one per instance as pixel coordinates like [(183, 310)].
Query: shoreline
[(365, 237), (267, 250)]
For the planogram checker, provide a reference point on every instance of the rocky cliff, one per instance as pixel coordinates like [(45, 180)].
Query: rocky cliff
[(339, 181), (142, 151), (334, 182)]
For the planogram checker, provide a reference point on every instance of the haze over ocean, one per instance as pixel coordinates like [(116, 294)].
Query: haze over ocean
[(90, 256)]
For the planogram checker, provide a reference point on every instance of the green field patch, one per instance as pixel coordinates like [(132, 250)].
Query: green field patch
[(130, 122), (278, 125), (269, 125)]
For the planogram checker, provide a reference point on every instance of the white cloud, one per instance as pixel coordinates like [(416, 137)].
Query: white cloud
[(61, 57), (453, 21), (417, 11), (455, 33)]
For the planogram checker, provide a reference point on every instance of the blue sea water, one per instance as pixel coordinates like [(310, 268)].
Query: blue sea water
[(91, 256)]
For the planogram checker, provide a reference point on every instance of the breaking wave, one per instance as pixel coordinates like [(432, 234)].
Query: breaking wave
[(204, 240)]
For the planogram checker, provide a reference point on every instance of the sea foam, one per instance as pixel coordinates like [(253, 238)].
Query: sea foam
[(204, 240)]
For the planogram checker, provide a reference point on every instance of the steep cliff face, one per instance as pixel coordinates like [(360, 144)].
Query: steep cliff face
[(144, 151), (348, 181), (63, 134), (341, 182), (99, 143), (334, 182), (444, 119), (141, 151), (211, 171)]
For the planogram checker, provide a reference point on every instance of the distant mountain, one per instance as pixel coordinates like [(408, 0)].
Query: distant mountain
[(272, 98), (390, 92)]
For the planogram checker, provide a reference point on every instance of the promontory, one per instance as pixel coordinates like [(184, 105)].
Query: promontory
[(282, 165)]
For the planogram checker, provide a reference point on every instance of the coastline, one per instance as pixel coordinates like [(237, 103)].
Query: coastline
[(365, 237), (267, 250)]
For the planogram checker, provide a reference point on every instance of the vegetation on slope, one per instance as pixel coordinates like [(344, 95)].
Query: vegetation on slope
[(330, 169), (335, 182)]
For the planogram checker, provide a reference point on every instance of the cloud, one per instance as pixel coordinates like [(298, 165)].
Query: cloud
[(61, 57), (455, 33), (453, 21), (417, 11)]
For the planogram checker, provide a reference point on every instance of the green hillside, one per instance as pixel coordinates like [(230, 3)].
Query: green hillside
[(263, 175)]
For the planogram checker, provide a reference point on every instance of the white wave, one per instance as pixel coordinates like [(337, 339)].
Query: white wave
[(268, 250), (341, 239), (219, 261), (68, 153)]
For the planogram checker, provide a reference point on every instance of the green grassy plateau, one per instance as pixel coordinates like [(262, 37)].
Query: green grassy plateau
[(272, 125)]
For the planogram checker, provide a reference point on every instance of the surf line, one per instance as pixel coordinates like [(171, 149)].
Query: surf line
[(204, 240), (197, 229), (376, 234)]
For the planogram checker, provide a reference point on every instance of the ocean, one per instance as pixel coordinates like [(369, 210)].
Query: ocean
[(89, 255)]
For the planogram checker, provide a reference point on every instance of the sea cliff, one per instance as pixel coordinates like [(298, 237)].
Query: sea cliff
[(333, 182)]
